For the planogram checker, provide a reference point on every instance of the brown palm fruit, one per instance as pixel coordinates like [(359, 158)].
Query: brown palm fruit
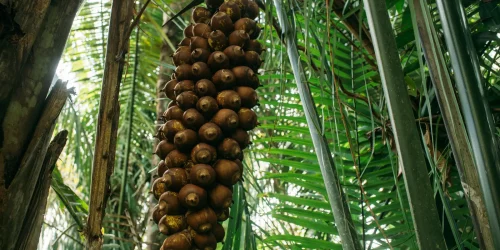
[(221, 21), (192, 197), (227, 172), (254, 45), (169, 203), (183, 86), (183, 71), (170, 128), (173, 113), (218, 231), (205, 241), (252, 10), (217, 40), (232, 9), (246, 24), (240, 165), (202, 221), (175, 179), (201, 15), (158, 213), (222, 214), (226, 119), (220, 197), (223, 79), (170, 224), (238, 38), (229, 99), (229, 149), (243, 75), (247, 119), (193, 119), (202, 30), (198, 42), (163, 148), (169, 89), (241, 136), (182, 56), (186, 41), (218, 60), (202, 175), (254, 82), (159, 187), (178, 241), (186, 139), (188, 31), (203, 153), (187, 100), (242, 4), (161, 167), (210, 133), (200, 70), (213, 4), (248, 96), (176, 159), (252, 60), (205, 87), (200, 55), (235, 54), (207, 106)]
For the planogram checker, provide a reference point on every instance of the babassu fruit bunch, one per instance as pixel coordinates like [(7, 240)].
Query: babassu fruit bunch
[(207, 123)]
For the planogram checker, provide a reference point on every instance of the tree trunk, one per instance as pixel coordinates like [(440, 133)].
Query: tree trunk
[(32, 39)]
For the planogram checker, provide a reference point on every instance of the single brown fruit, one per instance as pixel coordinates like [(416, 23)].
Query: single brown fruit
[(203, 153), (173, 113), (192, 197), (220, 197), (186, 41), (232, 9), (247, 119), (183, 86), (241, 136), (222, 214), (188, 31), (235, 54), (207, 106), (183, 71), (159, 187), (210, 133), (200, 55), (205, 241), (202, 221), (217, 40), (201, 15), (202, 175), (243, 75), (161, 167), (163, 148), (248, 96), (186, 139), (223, 79), (253, 60), (238, 38), (229, 99), (219, 233), (187, 100), (205, 87), (254, 45), (198, 42), (227, 172), (221, 21), (218, 60), (175, 179), (202, 30), (158, 213), (182, 57), (246, 24), (193, 119), (178, 241), (169, 203), (176, 159), (242, 4), (170, 128), (252, 10), (229, 149), (213, 4), (200, 70), (226, 119), (169, 89), (170, 224)]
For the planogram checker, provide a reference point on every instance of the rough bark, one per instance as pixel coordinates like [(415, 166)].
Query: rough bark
[(107, 123)]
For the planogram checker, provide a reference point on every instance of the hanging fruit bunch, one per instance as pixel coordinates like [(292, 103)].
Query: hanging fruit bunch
[(207, 123)]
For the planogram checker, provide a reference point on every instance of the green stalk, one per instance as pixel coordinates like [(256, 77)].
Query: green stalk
[(336, 196), (476, 110), (408, 143)]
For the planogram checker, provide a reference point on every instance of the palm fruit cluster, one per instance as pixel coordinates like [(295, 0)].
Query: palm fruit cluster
[(207, 123)]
